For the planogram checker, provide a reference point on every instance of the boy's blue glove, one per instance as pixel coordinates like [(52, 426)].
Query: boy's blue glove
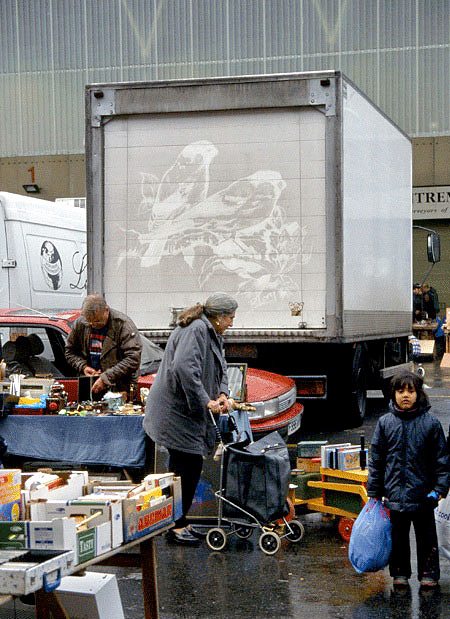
[(433, 498)]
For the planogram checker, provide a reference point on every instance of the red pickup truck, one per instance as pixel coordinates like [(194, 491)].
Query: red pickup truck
[(273, 395)]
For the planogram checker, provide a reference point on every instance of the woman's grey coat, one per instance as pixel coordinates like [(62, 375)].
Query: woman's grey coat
[(193, 372)]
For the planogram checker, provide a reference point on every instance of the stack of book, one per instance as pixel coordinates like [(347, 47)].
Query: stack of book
[(342, 456)]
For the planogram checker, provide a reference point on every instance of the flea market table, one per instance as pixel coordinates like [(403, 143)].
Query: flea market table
[(424, 331), (112, 440)]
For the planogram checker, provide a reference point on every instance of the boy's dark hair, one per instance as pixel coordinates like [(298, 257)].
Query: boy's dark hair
[(406, 379)]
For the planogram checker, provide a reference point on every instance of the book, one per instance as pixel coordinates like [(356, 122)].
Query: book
[(327, 454)]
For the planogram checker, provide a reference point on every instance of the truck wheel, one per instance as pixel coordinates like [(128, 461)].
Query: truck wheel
[(358, 401)]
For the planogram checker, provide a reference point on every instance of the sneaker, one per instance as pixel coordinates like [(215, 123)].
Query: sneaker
[(400, 581), (428, 583)]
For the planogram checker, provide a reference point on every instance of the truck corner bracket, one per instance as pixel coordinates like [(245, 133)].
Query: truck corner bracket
[(103, 105), (323, 92)]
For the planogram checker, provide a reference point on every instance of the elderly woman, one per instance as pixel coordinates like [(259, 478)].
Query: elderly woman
[(192, 378)]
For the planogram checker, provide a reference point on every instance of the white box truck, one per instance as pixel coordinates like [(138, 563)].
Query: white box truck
[(292, 192), (43, 262)]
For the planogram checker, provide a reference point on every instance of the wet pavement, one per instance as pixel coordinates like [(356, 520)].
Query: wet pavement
[(310, 579)]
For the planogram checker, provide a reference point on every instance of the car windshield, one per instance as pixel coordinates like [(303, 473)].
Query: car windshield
[(151, 356), (52, 348)]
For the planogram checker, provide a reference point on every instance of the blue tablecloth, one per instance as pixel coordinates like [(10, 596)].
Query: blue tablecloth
[(112, 441)]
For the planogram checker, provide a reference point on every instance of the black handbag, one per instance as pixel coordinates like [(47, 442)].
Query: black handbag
[(257, 478)]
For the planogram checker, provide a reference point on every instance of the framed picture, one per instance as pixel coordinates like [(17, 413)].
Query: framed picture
[(237, 373)]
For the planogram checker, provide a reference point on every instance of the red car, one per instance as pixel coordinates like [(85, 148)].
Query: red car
[(273, 396)]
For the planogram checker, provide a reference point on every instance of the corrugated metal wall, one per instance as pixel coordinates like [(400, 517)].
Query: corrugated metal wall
[(397, 51)]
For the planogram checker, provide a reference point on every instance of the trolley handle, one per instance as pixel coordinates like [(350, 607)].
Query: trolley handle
[(216, 429), (274, 446)]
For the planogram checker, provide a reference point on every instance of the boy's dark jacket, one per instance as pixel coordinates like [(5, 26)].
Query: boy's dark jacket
[(409, 459)]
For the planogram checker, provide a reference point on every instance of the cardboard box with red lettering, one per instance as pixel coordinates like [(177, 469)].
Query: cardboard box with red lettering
[(143, 514), (170, 485), (137, 523)]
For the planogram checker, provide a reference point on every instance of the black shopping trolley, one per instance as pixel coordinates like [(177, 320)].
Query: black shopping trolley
[(254, 480)]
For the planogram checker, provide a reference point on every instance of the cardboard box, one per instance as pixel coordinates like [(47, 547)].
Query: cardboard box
[(54, 485), (139, 520), (445, 363), (167, 484), (139, 523), (10, 494), (26, 571), (426, 347), (13, 535), (91, 596), (309, 465), (177, 499), (85, 506), (57, 534), (163, 480), (86, 545)]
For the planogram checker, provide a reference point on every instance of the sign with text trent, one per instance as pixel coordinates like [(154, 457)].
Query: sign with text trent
[(431, 202)]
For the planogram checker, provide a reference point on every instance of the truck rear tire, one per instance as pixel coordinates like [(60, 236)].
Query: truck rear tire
[(358, 400)]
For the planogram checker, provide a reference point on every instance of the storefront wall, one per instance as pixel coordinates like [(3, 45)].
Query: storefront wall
[(431, 170)]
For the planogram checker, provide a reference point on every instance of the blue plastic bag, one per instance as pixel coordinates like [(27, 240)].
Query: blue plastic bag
[(370, 541)]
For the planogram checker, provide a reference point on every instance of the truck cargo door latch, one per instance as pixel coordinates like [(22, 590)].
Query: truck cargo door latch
[(8, 263)]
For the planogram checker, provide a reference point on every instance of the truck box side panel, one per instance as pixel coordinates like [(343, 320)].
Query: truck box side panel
[(377, 242), (226, 200), (4, 272)]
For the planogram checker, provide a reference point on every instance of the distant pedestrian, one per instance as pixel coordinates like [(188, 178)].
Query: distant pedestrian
[(433, 296), (418, 312), (415, 349), (409, 467), (439, 337)]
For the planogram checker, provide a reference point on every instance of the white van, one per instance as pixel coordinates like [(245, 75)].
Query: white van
[(43, 259)]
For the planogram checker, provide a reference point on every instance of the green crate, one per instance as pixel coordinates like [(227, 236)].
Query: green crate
[(303, 491), (343, 500), (310, 449)]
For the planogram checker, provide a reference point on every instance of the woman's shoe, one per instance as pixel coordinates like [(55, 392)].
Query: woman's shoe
[(198, 533), (428, 583), (401, 581), (183, 537)]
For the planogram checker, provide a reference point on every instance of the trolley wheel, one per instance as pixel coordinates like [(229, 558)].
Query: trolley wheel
[(269, 542), (243, 532), (216, 539), (345, 526), (298, 531), (291, 513)]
